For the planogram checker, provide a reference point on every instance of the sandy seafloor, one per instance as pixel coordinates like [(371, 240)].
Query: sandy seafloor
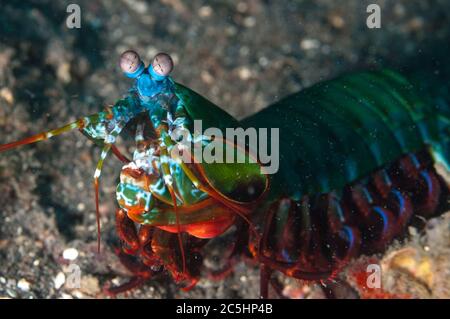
[(242, 55)]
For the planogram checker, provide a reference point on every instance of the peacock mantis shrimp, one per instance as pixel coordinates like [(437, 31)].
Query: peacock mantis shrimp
[(356, 164)]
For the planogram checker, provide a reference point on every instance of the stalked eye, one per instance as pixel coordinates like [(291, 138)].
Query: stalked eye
[(129, 61), (162, 64)]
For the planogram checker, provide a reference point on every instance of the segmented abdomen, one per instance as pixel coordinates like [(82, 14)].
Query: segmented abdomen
[(354, 167), (339, 131)]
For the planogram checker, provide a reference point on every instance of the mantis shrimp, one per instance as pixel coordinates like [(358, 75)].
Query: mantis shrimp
[(356, 164)]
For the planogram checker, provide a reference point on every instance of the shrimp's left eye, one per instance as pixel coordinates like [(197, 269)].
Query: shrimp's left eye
[(162, 64)]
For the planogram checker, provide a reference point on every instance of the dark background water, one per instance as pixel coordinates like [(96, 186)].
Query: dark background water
[(242, 55)]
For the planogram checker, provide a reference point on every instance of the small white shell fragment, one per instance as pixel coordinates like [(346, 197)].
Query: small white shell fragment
[(205, 12), (59, 280), (7, 95), (70, 254), (309, 44), (23, 285)]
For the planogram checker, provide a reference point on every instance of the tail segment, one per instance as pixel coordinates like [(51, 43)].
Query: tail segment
[(432, 77), (439, 89), (441, 98), (441, 149)]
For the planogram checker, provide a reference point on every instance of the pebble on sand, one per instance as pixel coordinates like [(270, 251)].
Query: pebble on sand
[(309, 44), (70, 254), (59, 280), (23, 285)]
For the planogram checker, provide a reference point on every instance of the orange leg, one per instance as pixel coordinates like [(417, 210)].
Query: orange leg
[(135, 254)]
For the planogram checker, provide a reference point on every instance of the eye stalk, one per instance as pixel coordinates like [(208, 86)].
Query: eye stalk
[(131, 63), (162, 65)]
